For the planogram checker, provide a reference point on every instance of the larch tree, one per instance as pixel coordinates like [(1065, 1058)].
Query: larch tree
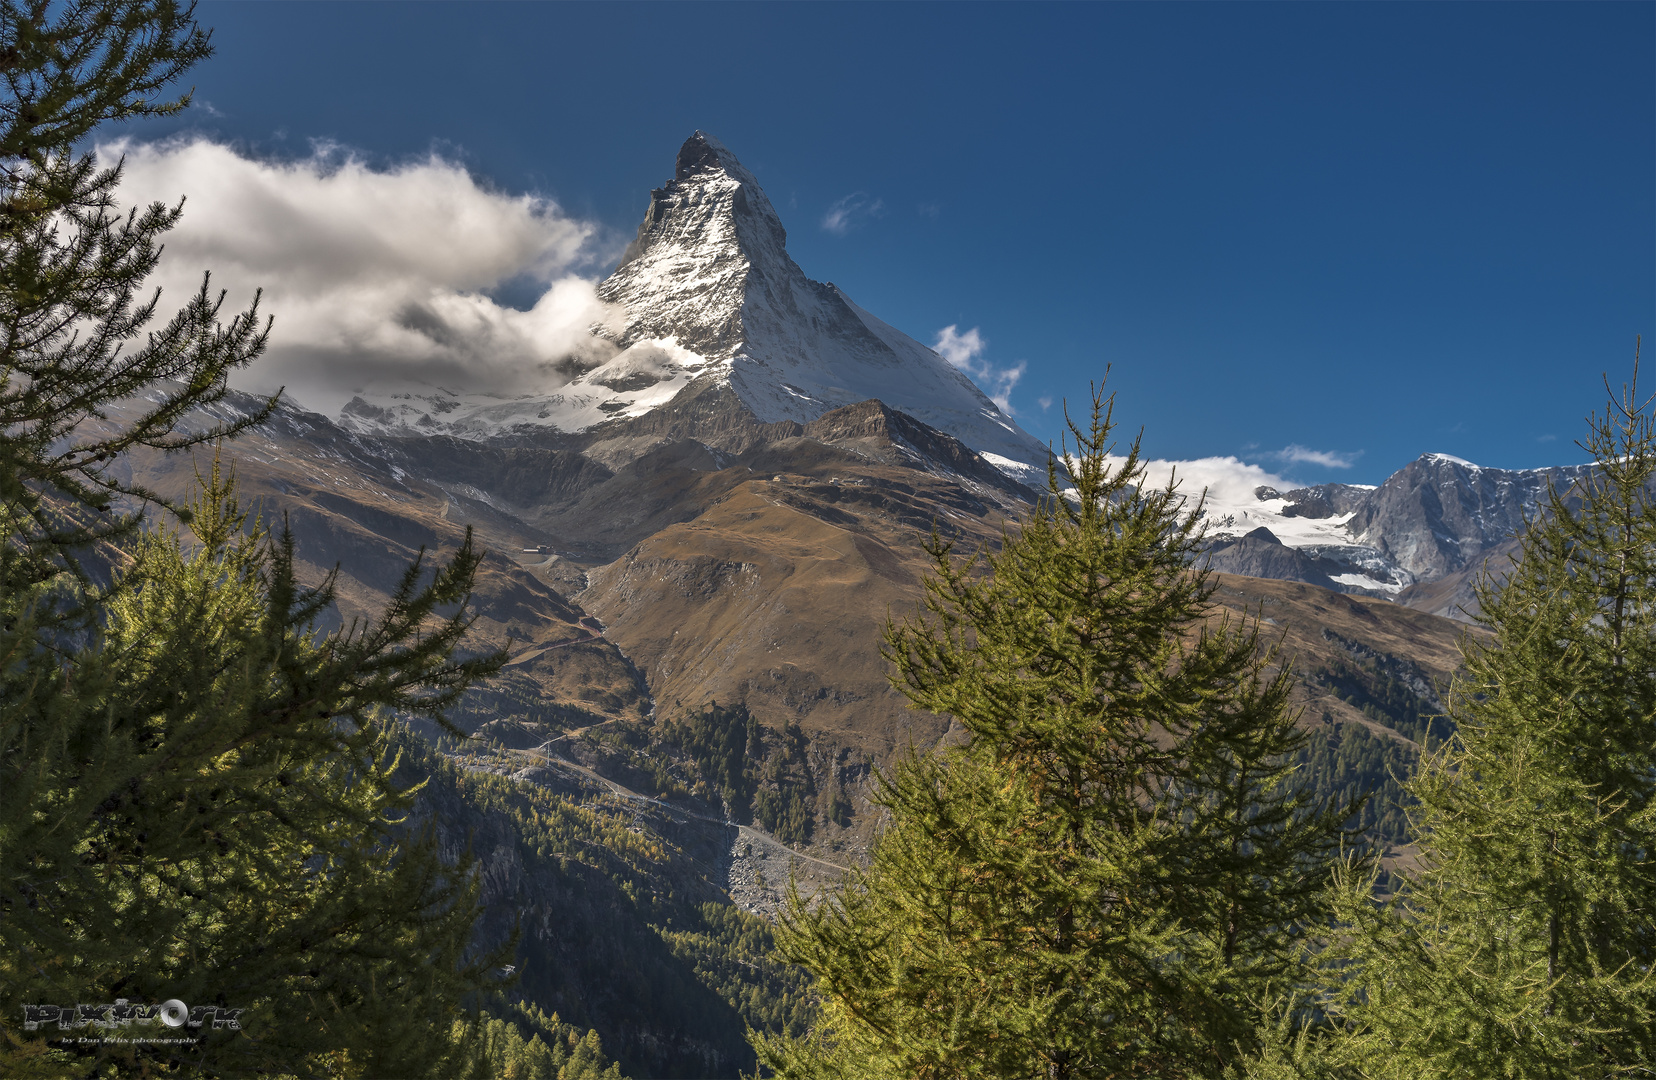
[(200, 794), (1116, 871), (1521, 943)]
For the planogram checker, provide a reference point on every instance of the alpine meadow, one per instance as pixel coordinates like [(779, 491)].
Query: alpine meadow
[(676, 671)]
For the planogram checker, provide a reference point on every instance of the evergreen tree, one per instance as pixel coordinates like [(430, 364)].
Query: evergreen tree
[(564, 1053), (74, 335), (1117, 865), (199, 795), (1521, 943), (255, 854)]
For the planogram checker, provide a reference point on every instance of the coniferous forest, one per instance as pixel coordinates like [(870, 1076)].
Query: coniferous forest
[(1139, 858)]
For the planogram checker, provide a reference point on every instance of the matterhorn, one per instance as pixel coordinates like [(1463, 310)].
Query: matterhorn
[(719, 329)]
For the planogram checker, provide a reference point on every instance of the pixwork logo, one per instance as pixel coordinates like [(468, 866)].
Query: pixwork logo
[(123, 1013)]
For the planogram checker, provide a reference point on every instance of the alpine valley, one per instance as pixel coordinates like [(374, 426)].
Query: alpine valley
[(696, 538)]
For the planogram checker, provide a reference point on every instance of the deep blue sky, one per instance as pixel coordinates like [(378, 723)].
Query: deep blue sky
[(1375, 230)]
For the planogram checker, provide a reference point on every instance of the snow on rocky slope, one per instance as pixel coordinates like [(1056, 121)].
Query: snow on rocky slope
[(1436, 516), (707, 293)]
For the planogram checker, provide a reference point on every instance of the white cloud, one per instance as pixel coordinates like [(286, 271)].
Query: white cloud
[(1295, 454), (1044, 402), (1228, 481), (851, 211), (964, 351), (1226, 485), (957, 348), (373, 275)]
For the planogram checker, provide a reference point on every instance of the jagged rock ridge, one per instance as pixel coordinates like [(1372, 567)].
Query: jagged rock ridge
[(1440, 514), (1438, 517)]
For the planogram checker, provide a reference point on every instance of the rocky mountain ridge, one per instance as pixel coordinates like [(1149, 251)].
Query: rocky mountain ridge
[(1437, 517)]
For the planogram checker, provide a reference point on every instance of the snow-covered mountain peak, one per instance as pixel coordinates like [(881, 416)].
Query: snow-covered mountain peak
[(702, 153), (1450, 459), (711, 271), (709, 296), (708, 237)]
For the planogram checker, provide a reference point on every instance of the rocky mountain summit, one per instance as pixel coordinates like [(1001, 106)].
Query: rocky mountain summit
[(710, 307), (1439, 517), (1440, 514)]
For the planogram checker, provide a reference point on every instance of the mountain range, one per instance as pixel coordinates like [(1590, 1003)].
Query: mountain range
[(725, 499), (713, 508), (1420, 538)]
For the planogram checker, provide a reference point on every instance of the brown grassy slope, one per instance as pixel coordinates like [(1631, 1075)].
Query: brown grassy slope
[(775, 596), (1317, 628)]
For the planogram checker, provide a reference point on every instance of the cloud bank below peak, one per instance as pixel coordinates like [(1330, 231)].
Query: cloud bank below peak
[(375, 276), (1226, 481), (1225, 484)]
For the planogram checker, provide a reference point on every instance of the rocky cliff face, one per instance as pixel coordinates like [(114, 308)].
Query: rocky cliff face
[(1438, 514), (710, 251), (1317, 503), (1436, 519), (1260, 554)]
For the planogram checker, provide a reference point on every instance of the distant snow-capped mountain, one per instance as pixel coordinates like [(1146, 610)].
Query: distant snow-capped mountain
[(708, 296), (1438, 515)]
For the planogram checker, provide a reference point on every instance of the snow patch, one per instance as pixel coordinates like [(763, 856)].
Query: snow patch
[(1363, 581), (1028, 475), (1452, 459)]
